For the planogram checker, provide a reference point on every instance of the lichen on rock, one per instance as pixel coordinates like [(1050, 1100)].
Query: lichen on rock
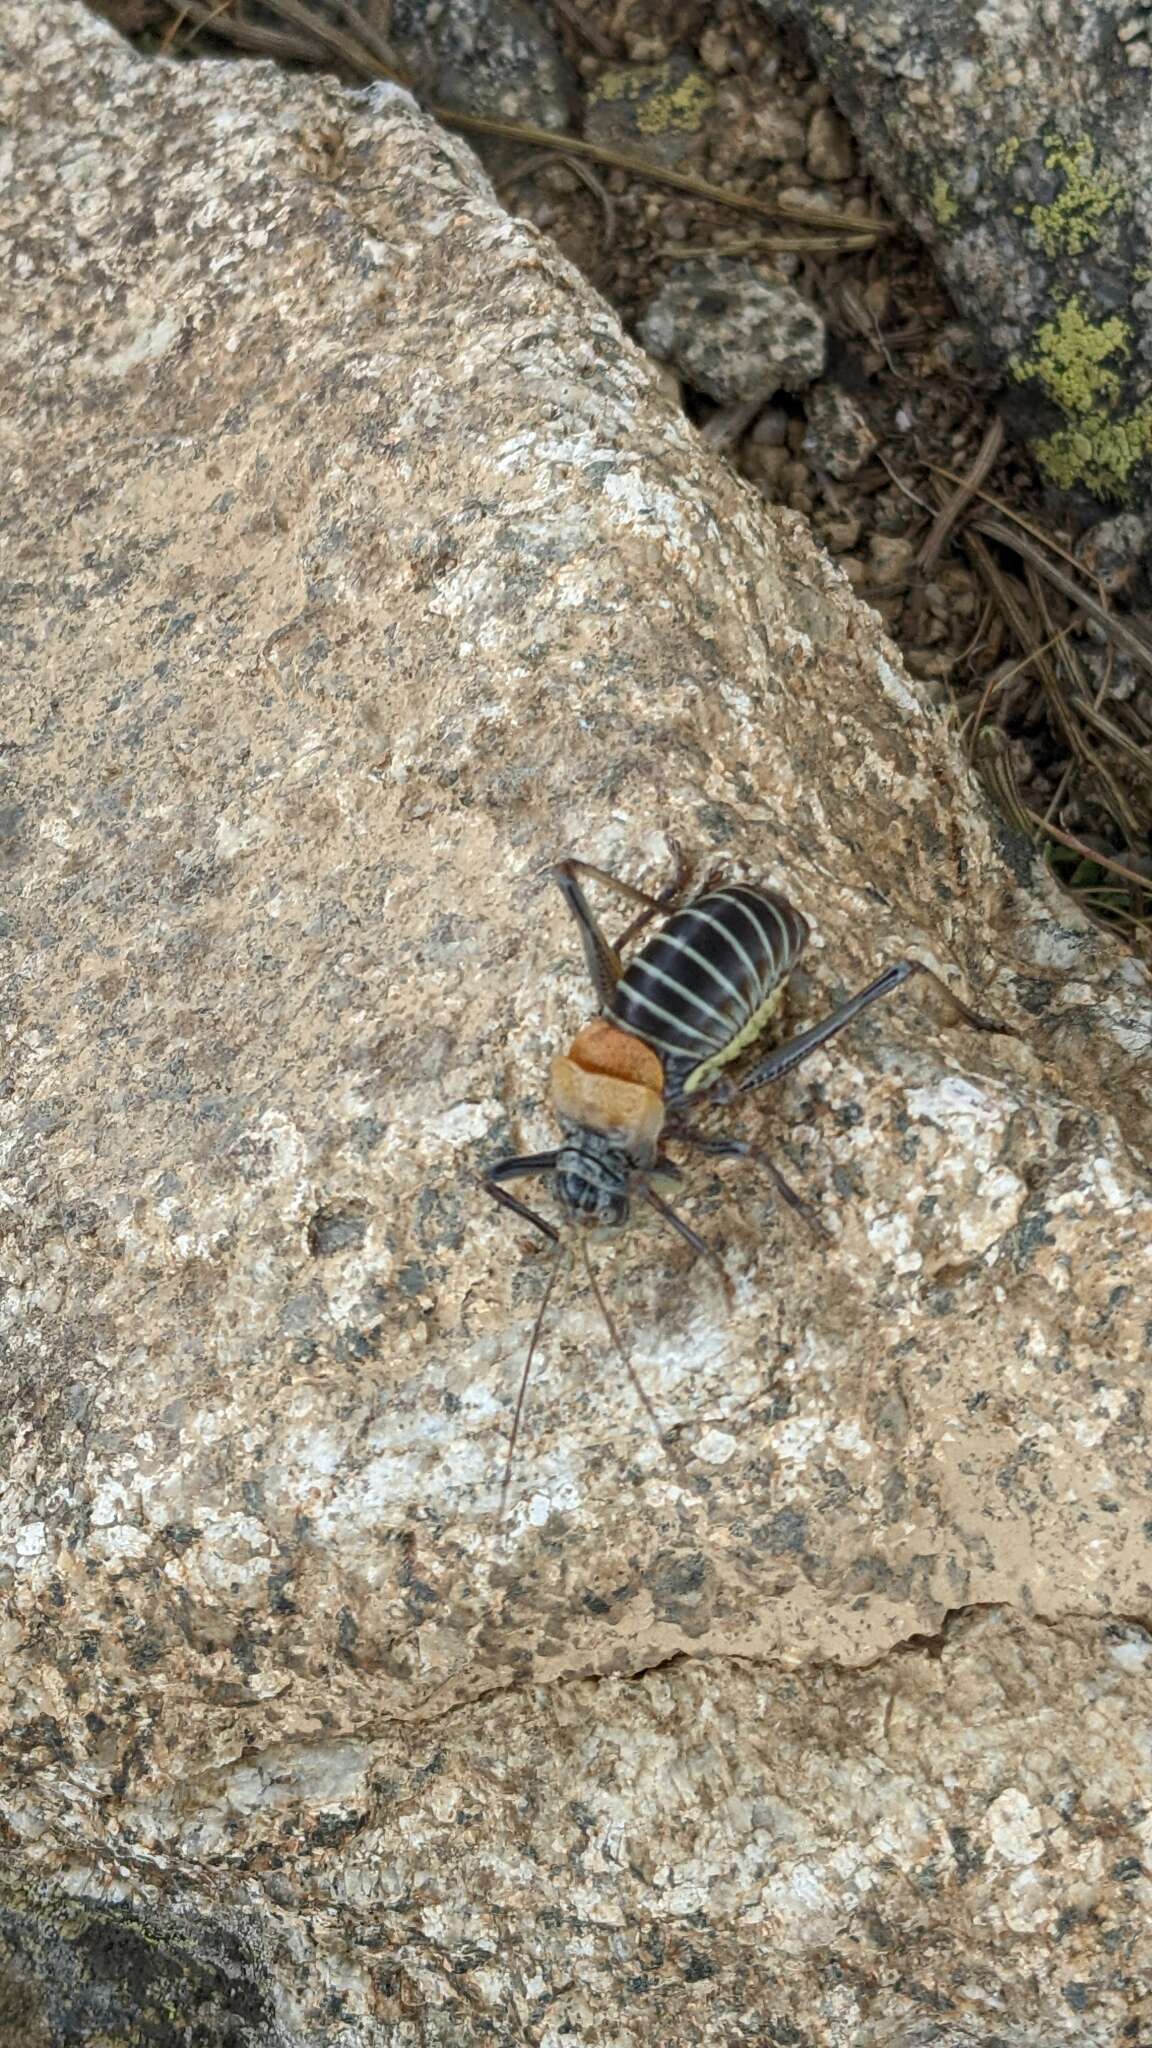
[(1080, 363), (1017, 142)]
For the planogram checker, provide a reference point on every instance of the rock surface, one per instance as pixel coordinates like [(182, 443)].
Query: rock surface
[(362, 567), (655, 111), (488, 56), (1017, 141), (733, 332), (839, 438)]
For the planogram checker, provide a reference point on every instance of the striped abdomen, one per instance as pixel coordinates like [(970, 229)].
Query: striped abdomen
[(703, 988)]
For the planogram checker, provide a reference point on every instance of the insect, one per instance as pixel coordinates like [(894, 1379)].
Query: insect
[(695, 998)]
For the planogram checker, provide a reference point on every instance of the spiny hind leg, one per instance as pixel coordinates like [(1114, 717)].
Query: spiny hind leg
[(784, 1057), (679, 891), (688, 882), (602, 956)]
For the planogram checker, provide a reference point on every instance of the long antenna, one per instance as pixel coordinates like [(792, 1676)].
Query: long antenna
[(532, 1343), (629, 1368)]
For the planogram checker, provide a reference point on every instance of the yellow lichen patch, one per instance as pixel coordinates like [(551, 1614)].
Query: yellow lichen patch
[(1100, 454), (942, 206), (1070, 358), (1100, 446), (664, 99), (1005, 154), (1071, 221)]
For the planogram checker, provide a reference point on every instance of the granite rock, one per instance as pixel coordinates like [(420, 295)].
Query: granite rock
[(733, 332), (359, 566), (492, 57), (839, 439), (655, 111)]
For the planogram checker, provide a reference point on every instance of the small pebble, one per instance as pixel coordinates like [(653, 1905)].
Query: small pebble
[(1121, 677), (812, 197), (718, 52), (647, 49), (765, 467), (771, 428), (776, 134), (892, 559), (838, 439), (733, 333), (831, 152), (855, 570), (1111, 550), (841, 535), (925, 661)]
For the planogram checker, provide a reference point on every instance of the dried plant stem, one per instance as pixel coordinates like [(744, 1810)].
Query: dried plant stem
[(963, 495), (369, 54)]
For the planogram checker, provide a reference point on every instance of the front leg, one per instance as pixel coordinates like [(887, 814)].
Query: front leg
[(515, 1169), (700, 1245), (738, 1148)]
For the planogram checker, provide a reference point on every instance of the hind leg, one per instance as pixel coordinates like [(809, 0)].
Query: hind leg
[(602, 956), (784, 1057)]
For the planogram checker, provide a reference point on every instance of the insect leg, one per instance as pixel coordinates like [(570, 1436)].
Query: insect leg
[(670, 1450), (784, 1057), (738, 1148), (513, 1169), (602, 959), (518, 1411), (602, 956), (678, 890), (699, 1244)]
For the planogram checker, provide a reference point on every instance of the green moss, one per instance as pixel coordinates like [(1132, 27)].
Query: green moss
[(941, 204), (1072, 221), (664, 99)]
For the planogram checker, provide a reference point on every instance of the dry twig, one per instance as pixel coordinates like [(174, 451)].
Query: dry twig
[(958, 504), (371, 56)]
